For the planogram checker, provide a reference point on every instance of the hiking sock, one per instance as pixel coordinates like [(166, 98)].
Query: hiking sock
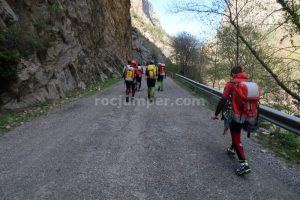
[(244, 168), (243, 163)]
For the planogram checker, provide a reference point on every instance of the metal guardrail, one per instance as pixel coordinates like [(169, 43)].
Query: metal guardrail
[(286, 121)]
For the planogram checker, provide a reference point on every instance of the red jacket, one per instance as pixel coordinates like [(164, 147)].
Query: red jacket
[(230, 89), (230, 86)]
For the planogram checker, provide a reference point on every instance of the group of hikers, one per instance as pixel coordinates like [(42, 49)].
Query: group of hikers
[(133, 74), (239, 104)]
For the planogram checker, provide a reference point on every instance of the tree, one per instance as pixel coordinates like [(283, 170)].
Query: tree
[(185, 49), (293, 11), (229, 12)]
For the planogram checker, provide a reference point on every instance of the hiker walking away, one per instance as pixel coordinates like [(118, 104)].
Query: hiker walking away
[(125, 67), (161, 75), (129, 74), (139, 76), (134, 65), (241, 98), (151, 75)]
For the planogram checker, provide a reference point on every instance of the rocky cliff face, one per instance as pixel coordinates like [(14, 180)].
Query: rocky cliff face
[(63, 45), (145, 10), (143, 50), (150, 41)]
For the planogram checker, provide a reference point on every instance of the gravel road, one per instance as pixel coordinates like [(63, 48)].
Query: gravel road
[(118, 151)]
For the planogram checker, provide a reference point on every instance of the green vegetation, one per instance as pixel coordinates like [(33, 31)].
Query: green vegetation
[(171, 66), (16, 43), (133, 14), (11, 119), (8, 69), (23, 42), (283, 143), (221, 56), (187, 54), (54, 9), (8, 62)]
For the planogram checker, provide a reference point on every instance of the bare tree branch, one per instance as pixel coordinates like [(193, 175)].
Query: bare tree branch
[(275, 77), (291, 12)]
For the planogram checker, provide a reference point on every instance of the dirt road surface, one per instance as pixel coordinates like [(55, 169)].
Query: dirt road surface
[(118, 151)]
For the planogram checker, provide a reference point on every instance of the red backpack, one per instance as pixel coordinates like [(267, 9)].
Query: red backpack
[(140, 71), (162, 69), (245, 104)]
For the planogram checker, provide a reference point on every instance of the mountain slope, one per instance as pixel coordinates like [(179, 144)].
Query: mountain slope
[(146, 21)]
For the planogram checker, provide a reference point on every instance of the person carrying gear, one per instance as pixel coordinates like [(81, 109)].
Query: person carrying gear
[(129, 74), (125, 67), (242, 112), (139, 77), (162, 72), (151, 75), (134, 65)]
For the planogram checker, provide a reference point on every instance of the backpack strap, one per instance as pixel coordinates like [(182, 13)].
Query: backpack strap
[(234, 81)]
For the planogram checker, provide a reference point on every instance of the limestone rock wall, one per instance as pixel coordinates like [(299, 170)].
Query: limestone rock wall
[(83, 40)]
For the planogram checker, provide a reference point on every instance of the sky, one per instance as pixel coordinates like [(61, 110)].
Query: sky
[(174, 24)]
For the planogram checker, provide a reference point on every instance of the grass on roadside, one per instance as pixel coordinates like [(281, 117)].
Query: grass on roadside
[(12, 118), (283, 143)]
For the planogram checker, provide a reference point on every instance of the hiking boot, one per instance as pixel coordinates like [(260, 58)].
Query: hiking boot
[(127, 99), (230, 153), (245, 169)]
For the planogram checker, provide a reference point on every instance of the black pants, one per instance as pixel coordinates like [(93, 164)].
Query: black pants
[(139, 81), (151, 82), (130, 87), (160, 78)]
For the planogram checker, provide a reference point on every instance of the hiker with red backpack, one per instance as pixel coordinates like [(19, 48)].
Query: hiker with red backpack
[(241, 100), (139, 77), (162, 73), (129, 75)]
